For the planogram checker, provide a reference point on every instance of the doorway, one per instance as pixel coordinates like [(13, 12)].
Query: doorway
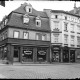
[(65, 55), (16, 54), (72, 55)]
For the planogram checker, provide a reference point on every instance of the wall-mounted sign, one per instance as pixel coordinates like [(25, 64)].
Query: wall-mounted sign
[(28, 52), (42, 52)]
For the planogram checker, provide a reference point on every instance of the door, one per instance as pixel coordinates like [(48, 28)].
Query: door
[(72, 55), (16, 54), (65, 56)]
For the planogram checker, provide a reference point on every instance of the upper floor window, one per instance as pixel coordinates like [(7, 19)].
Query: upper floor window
[(25, 18), (28, 8), (65, 17), (78, 28), (38, 22), (56, 24), (16, 34), (65, 26), (65, 39), (78, 40), (56, 37), (38, 36), (5, 22), (56, 16), (72, 40), (72, 27), (26, 35), (43, 36)]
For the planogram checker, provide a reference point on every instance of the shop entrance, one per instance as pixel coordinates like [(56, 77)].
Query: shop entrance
[(55, 57), (65, 56), (16, 54), (72, 55), (41, 54)]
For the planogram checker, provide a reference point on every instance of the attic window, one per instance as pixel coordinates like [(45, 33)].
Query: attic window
[(29, 9), (38, 22), (25, 18)]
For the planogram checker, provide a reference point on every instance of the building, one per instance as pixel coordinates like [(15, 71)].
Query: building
[(25, 36), (65, 36)]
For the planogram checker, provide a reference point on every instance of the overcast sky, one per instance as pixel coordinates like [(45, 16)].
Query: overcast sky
[(38, 5)]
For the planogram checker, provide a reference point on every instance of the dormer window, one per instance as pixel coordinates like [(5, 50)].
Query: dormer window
[(28, 8), (25, 18), (38, 22), (5, 22)]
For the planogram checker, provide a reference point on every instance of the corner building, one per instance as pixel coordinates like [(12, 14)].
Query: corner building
[(65, 36), (25, 36)]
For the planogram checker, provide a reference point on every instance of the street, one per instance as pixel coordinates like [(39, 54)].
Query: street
[(40, 71)]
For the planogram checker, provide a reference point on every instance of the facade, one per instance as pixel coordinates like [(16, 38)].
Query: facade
[(25, 36), (65, 36)]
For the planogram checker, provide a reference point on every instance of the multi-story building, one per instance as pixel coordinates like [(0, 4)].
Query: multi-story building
[(25, 35), (65, 36)]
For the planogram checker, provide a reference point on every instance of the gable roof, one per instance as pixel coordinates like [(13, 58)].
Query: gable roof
[(21, 10), (16, 19)]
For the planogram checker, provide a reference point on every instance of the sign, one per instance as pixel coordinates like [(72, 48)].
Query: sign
[(28, 52), (42, 52)]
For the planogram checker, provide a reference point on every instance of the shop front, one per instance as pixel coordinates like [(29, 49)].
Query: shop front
[(41, 54), (27, 55), (56, 56), (72, 55), (65, 54)]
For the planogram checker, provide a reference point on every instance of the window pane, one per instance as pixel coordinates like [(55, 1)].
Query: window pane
[(43, 37), (26, 35), (16, 34)]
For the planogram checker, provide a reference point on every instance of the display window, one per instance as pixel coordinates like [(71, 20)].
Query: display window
[(27, 54), (41, 54)]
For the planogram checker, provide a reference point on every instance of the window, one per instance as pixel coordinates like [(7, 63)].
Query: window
[(65, 39), (65, 17), (16, 34), (26, 35), (78, 28), (44, 37), (38, 23), (72, 27), (72, 40), (38, 36), (6, 20), (56, 16), (5, 35), (78, 40), (56, 37), (28, 9), (65, 26), (56, 24), (25, 18)]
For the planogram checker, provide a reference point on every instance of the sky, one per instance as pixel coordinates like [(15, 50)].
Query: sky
[(38, 5)]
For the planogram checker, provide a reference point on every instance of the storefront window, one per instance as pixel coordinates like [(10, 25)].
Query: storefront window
[(27, 54), (41, 54)]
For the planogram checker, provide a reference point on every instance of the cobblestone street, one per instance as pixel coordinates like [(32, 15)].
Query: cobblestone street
[(40, 71)]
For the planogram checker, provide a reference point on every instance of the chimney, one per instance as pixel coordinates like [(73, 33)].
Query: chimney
[(75, 8)]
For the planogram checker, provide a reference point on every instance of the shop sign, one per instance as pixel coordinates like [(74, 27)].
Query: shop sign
[(55, 48), (42, 52), (28, 52)]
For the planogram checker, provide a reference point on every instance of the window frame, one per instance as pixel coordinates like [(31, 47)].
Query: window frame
[(27, 36), (14, 33)]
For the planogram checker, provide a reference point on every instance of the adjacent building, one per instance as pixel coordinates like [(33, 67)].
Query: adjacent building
[(25, 36), (65, 36)]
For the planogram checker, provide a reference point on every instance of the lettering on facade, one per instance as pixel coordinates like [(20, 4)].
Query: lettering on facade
[(28, 52), (42, 52)]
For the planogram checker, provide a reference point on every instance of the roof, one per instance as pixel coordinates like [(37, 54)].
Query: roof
[(16, 20), (66, 12), (21, 10)]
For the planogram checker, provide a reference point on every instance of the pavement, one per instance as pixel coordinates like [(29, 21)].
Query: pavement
[(40, 71)]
